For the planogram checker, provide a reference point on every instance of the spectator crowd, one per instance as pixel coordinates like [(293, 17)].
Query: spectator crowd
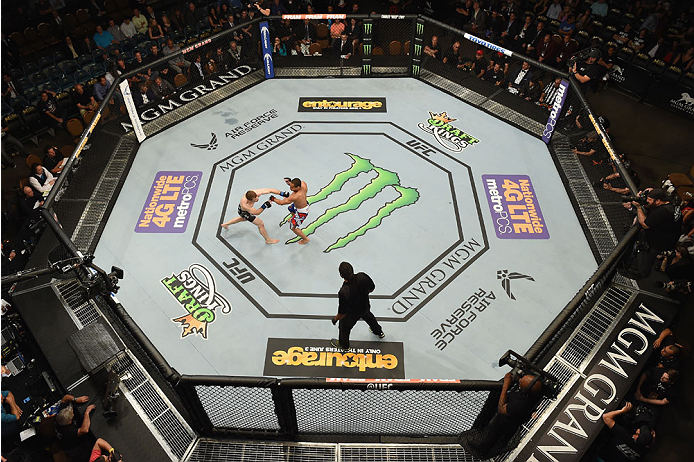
[(60, 59)]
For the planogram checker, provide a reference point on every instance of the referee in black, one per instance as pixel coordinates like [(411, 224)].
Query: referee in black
[(354, 305)]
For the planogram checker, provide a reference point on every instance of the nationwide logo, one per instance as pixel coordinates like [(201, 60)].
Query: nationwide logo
[(169, 203), (196, 290), (211, 146), (685, 103), (342, 104), (448, 136), (384, 179), (506, 279)]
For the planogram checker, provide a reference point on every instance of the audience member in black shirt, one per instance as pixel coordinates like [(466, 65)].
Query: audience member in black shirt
[(53, 160), (50, 110), (625, 445), (74, 436)]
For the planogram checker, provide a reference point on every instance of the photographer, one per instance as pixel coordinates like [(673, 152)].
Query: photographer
[(516, 403), (661, 224), (677, 264), (624, 444), (584, 68)]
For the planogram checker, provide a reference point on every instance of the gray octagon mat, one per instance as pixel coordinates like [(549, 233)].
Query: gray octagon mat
[(460, 219)]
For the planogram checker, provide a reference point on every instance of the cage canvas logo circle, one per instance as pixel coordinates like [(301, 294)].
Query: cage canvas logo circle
[(447, 135), (515, 209), (169, 202), (342, 104), (195, 289)]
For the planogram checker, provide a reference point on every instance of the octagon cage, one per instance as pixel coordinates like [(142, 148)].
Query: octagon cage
[(301, 408)]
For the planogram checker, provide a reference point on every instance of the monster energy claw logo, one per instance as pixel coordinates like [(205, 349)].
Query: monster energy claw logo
[(367, 28), (417, 50), (367, 49), (384, 179), (415, 69), (367, 69), (420, 28)]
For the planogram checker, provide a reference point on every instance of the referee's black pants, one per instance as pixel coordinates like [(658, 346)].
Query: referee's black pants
[(348, 322)]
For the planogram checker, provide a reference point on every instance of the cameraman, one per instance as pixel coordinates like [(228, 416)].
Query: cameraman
[(661, 224), (586, 70), (515, 406)]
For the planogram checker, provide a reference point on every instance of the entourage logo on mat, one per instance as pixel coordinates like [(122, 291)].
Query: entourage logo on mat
[(506, 279), (342, 104), (447, 135), (211, 146), (317, 358), (169, 203), (384, 179), (195, 289)]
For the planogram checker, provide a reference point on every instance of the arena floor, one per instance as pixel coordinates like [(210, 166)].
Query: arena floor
[(461, 220)]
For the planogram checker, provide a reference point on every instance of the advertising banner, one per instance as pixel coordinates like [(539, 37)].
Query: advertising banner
[(268, 65), (556, 110), (132, 111), (670, 95), (576, 421), (515, 209), (289, 357), (169, 203)]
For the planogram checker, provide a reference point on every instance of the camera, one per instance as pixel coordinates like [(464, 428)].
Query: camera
[(521, 366), (678, 286), (641, 198), (583, 55)]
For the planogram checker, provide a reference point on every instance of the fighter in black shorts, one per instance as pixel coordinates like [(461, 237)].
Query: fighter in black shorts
[(249, 213)]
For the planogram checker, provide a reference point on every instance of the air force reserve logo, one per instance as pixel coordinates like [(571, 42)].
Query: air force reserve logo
[(211, 146), (506, 279)]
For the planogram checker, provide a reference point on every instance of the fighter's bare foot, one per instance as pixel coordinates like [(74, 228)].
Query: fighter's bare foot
[(304, 241), (225, 226), (272, 241)]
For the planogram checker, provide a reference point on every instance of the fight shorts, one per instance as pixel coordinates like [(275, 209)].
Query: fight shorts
[(298, 217), (245, 215)]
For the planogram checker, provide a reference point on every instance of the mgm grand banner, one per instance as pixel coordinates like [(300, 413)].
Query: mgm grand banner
[(293, 357), (573, 425), (153, 111), (673, 96)]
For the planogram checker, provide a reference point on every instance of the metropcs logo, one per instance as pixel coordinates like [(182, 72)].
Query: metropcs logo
[(383, 179), (196, 290), (169, 203), (448, 136)]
